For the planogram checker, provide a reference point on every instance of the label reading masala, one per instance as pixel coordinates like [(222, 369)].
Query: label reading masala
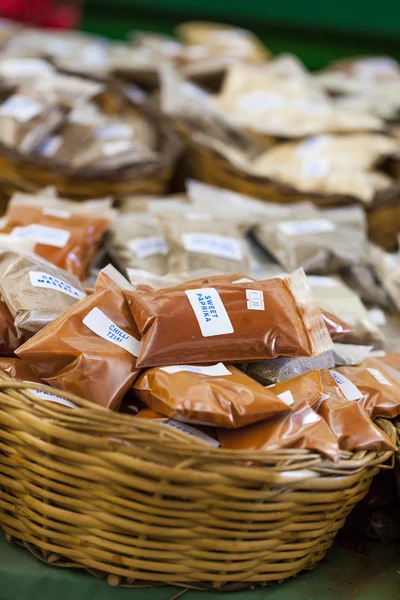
[(143, 247), (44, 280), (255, 300), (306, 227), (379, 376), (41, 234), (218, 370), (215, 245), (349, 390), (209, 311), (102, 326)]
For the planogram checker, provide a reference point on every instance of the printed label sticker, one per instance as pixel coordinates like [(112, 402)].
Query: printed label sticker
[(379, 376), (255, 300), (143, 247), (102, 326), (306, 227), (41, 234), (216, 245), (350, 391), (44, 280), (210, 311)]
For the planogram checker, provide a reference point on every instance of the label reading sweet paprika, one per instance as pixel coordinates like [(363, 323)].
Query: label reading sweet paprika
[(210, 311)]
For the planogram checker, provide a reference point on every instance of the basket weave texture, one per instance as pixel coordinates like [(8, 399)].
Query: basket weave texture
[(139, 503)]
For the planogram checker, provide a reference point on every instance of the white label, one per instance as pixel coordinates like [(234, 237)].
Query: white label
[(50, 397), (112, 148), (24, 67), (148, 246), (49, 146), (317, 281), (377, 316), (210, 311), (255, 300), (216, 245), (102, 326), (21, 108), (312, 145), (259, 100), (286, 397), (379, 376), (56, 212), (376, 67), (350, 391), (218, 370), (306, 227), (44, 280), (114, 130), (311, 108), (95, 56), (190, 431), (198, 216), (244, 280), (41, 234), (315, 168)]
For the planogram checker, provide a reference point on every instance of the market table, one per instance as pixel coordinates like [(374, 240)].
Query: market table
[(343, 574)]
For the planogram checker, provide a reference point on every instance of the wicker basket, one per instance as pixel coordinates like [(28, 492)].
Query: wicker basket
[(141, 504), (384, 218), (27, 173), (207, 165)]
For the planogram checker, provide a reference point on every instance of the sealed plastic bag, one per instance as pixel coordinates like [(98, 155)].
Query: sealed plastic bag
[(282, 369), (301, 428), (205, 434), (91, 349), (347, 419), (35, 291), (229, 323), (216, 395), (66, 233), (379, 385)]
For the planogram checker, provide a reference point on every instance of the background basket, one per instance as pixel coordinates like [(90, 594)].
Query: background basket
[(139, 503), (207, 165), (27, 173)]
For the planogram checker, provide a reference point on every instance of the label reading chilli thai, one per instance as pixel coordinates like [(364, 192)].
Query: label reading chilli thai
[(210, 311)]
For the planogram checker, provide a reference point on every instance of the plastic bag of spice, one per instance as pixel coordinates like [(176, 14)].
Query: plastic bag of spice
[(136, 240), (301, 428), (333, 296), (379, 386), (91, 349), (10, 337), (215, 395), (347, 419), (205, 244), (26, 120), (66, 233), (35, 291), (282, 369), (229, 323), (349, 354)]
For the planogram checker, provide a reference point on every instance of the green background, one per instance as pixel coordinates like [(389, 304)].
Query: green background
[(315, 30)]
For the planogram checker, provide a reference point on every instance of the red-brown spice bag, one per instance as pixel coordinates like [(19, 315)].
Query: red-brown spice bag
[(379, 386), (347, 419), (301, 428), (204, 434), (90, 350), (228, 322), (10, 337), (217, 395)]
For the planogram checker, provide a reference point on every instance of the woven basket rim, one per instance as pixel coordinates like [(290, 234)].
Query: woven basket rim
[(168, 154), (182, 442)]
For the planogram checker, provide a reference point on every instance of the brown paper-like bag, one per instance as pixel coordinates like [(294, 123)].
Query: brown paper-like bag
[(90, 350), (216, 395), (229, 323)]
